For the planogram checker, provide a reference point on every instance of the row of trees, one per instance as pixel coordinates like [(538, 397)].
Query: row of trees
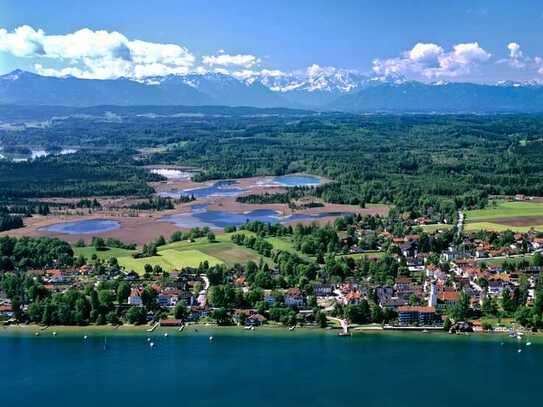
[(8, 222)]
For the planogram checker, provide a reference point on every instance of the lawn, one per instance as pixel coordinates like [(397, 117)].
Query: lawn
[(513, 259), (435, 227), (101, 254), (169, 260), (497, 227), (230, 253), (281, 243), (506, 210)]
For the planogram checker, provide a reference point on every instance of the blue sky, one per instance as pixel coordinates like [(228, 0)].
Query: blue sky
[(458, 40)]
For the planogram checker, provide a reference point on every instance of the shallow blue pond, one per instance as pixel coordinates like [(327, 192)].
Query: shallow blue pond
[(201, 217), (297, 181), (82, 226), (219, 188)]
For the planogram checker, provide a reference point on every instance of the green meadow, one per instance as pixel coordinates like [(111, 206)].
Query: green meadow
[(177, 255), (501, 215), (506, 210)]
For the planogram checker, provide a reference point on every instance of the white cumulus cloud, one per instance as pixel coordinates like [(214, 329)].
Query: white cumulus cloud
[(95, 54), (430, 61), (519, 61), (240, 60)]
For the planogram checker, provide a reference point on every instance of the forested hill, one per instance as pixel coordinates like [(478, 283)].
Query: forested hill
[(21, 113)]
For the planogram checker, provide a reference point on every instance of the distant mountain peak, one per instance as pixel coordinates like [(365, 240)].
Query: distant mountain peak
[(15, 75), (317, 88)]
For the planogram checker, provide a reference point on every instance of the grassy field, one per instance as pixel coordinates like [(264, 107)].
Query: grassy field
[(281, 243), (516, 216), (230, 253), (497, 227), (506, 210), (101, 254), (169, 260), (436, 227), (175, 256), (513, 259)]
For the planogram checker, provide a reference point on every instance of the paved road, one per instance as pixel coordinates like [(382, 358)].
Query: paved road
[(202, 296), (460, 223)]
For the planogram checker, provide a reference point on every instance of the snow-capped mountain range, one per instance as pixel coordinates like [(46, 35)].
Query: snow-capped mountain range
[(318, 89)]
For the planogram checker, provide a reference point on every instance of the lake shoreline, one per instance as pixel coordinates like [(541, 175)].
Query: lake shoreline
[(191, 329)]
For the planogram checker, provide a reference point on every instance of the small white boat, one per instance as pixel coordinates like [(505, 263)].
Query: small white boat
[(166, 334), (148, 339), (291, 328), (210, 338), (528, 343), (152, 344), (37, 334), (54, 333), (520, 350), (181, 329), (85, 337)]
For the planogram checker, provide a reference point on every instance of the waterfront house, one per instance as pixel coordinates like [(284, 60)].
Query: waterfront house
[(6, 310), (409, 315), (294, 298), (135, 297), (353, 297), (254, 320)]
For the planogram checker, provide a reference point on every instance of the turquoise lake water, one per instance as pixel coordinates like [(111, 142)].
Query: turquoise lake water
[(297, 180), (264, 369)]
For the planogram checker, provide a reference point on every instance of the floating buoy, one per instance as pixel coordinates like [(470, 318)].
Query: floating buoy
[(148, 339)]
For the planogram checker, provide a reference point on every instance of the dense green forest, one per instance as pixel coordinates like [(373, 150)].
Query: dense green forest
[(75, 175), (420, 163)]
